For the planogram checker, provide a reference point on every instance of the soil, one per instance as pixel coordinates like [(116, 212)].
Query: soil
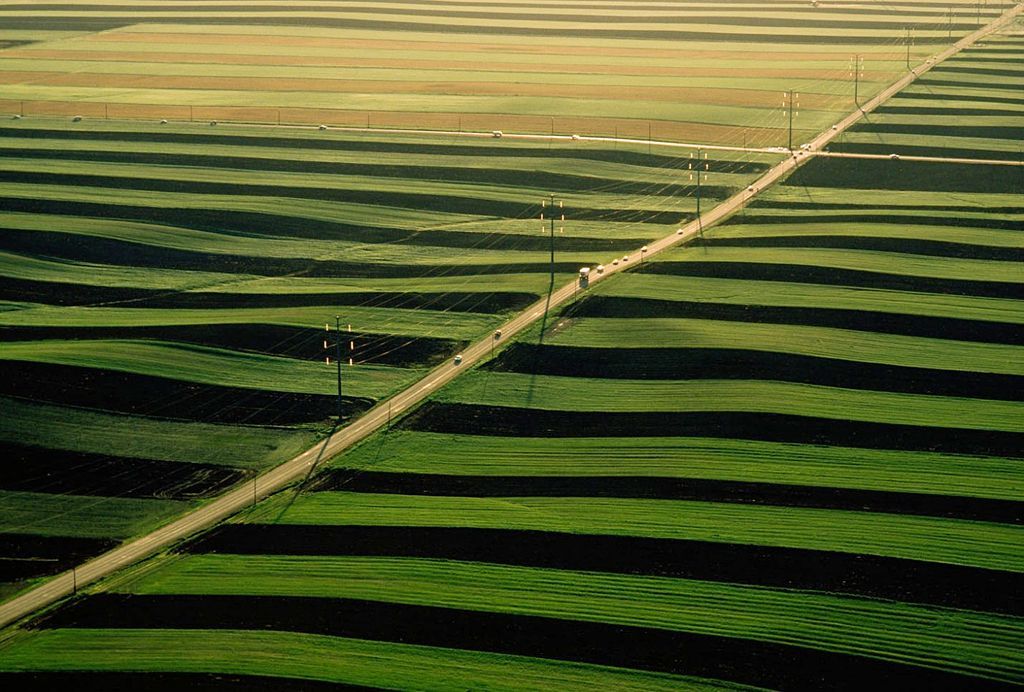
[(647, 487), (771, 566), (743, 364), (813, 274), (27, 556), (862, 320), (160, 397), (60, 472), (471, 419), (747, 661), (272, 339)]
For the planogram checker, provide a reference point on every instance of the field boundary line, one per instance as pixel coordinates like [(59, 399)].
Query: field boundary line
[(280, 477)]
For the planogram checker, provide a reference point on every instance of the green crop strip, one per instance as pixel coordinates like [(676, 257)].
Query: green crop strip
[(682, 457), (980, 544), (316, 657), (591, 394), (892, 631), (210, 365), (82, 516), (867, 347), (245, 447)]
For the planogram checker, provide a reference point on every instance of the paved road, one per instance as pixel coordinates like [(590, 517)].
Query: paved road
[(377, 417)]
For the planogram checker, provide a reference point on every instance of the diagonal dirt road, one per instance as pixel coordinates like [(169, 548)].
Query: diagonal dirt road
[(377, 417)]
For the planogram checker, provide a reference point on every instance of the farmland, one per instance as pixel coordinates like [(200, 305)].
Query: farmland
[(185, 295), (785, 455), (690, 72)]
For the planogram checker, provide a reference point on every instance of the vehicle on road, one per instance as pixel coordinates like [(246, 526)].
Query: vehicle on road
[(894, 157), (458, 359), (497, 133), (600, 269)]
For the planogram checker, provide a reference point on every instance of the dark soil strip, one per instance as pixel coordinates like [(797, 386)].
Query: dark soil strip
[(993, 71), (744, 364), (772, 566), (777, 666), (883, 213), (250, 224), (928, 81), (792, 8), (952, 112), (472, 419), (932, 150), (161, 397), (971, 131), (58, 293), (403, 200), (375, 146), (26, 556), (923, 219), (927, 176), (69, 22), (92, 681), (88, 248), (646, 487), (272, 339), (831, 276), (55, 471), (859, 320), (912, 246), (843, 23), (531, 180), (940, 96)]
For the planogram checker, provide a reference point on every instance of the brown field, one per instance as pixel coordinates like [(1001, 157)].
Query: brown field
[(398, 63), (729, 97), (481, 122), (256, 40)]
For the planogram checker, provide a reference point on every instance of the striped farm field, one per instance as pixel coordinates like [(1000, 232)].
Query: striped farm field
[(690, 71), (784, 455), (967, 107), (182, 289)]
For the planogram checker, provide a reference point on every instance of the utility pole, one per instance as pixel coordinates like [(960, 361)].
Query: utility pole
[(337, 356), (702, 167), (551, 219), (337, 353), (791, 100), (857, 71), (910, 37)]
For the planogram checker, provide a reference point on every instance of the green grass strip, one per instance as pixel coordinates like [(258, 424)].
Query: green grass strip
[(976, 643), (79, 430), (213, 366), (980, 544), (799, 295), (81, 516), (404, 321), (381, 665), (559, 393), (401, 451), (903, 264), (821, 342), (966, 236)]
